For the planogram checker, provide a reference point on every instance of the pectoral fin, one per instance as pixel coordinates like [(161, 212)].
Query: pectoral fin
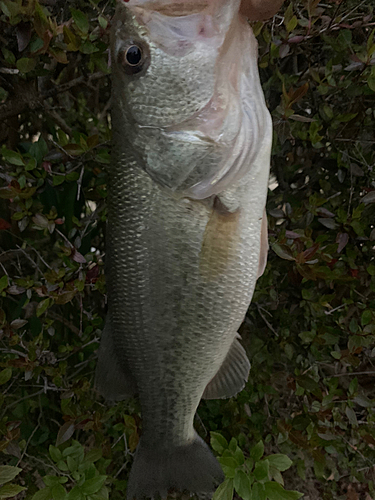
[(219, 240), (232, 375), (113, 381)]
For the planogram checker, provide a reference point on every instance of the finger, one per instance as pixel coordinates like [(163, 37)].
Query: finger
[(260, 10)]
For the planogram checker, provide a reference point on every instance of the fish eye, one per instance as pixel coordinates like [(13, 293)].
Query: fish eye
[(133, 57)]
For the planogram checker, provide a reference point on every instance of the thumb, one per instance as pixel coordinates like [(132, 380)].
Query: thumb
[(260, 10)]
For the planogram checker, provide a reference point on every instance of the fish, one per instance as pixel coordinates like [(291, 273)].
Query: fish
[(186, 231)]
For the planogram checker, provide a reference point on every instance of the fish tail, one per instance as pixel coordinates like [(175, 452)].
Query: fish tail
[(191, 468)]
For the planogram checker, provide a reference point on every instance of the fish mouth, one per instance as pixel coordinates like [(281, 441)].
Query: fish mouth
[(176, 8)]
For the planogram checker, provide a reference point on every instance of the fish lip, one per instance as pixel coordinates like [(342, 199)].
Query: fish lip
[(178, 8)]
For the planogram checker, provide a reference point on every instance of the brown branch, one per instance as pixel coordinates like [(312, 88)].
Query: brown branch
[(27, 97)]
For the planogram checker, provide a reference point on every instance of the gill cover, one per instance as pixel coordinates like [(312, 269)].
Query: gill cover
[(196, 106)]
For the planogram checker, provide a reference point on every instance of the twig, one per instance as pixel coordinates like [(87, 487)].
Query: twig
[(353, 10), (58, 471), (30, 438), (64, 321), (29, 259), (30, 98), (64, 238), (3, 268), (41, 258), (353, 374), (79, 182), (327, 313), (266, 321), (57, 118), (21, 399)]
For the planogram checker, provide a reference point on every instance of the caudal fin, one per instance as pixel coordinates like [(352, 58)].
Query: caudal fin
[(191, 468)]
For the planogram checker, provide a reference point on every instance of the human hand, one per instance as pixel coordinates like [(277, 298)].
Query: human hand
[(260, 10)]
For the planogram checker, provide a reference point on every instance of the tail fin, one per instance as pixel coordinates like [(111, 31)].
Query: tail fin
[(191, 468)]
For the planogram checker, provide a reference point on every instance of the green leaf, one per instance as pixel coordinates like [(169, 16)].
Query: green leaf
[(257, 451), (55, 453), (366, 317), (224, 491), (292, 24), (258, 492), (10, 490), (93, 455), (229, 465), (103, 22), (239, 456), (80, 20), (103, 494), (75, 494), (371, 79), (345, 38), (72, 464), (26, 64), (43, 494), (12, 157), (283, 251), (218, 442), (275, 491), (363, 401), (279, 461), (7, 472), (5, 376), (73, 176), (349, 412), (42, 307), (58, 179), (51, 480), (58, 492), (3, 282), (242, 485), (261, 470), (93, 485)]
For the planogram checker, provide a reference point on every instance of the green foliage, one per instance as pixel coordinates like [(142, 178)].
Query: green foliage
[(8, 489), (305, 420), (76, 472), (250, 475)]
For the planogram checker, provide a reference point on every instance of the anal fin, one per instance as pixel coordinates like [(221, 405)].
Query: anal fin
[(232, 375), (113, 381)]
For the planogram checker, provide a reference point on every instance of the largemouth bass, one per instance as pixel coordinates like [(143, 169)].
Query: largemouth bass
[(187, 234)]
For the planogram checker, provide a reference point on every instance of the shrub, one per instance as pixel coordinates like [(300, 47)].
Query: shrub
[(310, 329)]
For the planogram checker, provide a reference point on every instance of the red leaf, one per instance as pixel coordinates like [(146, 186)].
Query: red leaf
[(23, 34), (4, 224), (92, 274), (323, 212), (77, 257), (310, 252), (66, 431), (47, 166), (296, 39), (342, 239)]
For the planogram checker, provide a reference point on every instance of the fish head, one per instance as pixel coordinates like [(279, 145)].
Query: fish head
[(187, 91)]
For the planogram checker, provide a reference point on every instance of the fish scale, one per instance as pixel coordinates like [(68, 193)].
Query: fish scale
[(180, 270)]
